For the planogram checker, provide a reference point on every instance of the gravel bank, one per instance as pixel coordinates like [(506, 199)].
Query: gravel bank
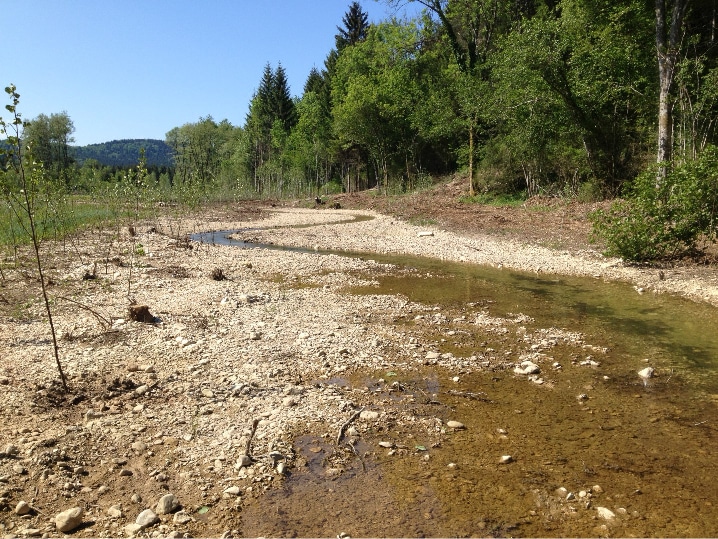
[(205, 402), (387, 235)]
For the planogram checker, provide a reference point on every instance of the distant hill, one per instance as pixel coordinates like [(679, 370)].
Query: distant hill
[(125, 153)]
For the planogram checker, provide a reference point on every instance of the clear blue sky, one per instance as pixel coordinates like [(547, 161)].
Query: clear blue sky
[(137, 68)]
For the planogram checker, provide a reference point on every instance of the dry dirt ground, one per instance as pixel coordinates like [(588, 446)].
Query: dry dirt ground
[(177, 422)]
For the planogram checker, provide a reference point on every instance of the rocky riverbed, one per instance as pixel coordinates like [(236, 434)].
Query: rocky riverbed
[(181, 421)]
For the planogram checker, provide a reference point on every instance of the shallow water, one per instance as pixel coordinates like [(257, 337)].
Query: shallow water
[(672, 332), (642, 450)]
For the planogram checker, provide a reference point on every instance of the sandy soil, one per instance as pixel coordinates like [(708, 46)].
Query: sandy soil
[(205, 399)]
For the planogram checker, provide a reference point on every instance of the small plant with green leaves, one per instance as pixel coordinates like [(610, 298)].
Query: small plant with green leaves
[(27, 191), (666, 217)]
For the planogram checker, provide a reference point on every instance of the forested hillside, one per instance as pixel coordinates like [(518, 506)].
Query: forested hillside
[(124, 153)]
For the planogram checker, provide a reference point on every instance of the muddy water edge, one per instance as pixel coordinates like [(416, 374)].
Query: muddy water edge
[(594, 448)]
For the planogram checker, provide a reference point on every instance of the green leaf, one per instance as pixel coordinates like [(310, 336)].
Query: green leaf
[(202, 510), (420, 447), (391, 373)]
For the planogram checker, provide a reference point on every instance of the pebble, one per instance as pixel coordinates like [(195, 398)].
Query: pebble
[(527, 367), (605, 513), (207, 393), (289, 401), (369, 415), (132, 529), (22, 508), (181, 518), (232, 491), (506, 459), (139, 446), (124, 472), (387, 445), (69, 519), (167, 504), (136, 498), (281, 468), (141, 390), (114, 511), (455, 425), (646, 373), (147, 518), (10, 451), (242, 461)]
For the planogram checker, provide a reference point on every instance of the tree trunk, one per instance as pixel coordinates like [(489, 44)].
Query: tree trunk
[(471, 160), (667, 43)]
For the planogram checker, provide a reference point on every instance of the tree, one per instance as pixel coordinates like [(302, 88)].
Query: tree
[(50, 138), (282, 105), (594, 58), (272, 115), (25, 189), (198, 149), (668, 38), (355, 28), (472, 28), (375, 94)]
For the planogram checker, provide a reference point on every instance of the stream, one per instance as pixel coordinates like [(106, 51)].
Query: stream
[(595, 451)]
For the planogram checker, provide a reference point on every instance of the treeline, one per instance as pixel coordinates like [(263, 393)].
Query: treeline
[(541, 96), (125, 153), (93, 168), (573, 97)]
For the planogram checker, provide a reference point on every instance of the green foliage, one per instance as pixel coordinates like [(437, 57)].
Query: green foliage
[(123, 153), (666, 218), (50, 138), (29, 193), (356, 25)]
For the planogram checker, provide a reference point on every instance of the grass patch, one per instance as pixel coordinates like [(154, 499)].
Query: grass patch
[(78, 213), (422, 221)]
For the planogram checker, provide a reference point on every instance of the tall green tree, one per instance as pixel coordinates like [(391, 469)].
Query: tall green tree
[(50, 138), (356, 26), (472, 29), (593, 57), (375, 94), (272, 115), (199, 151)]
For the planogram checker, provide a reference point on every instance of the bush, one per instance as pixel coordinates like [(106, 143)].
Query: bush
[(663, 219)]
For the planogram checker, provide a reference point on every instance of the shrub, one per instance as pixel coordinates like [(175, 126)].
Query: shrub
[(663, 218)]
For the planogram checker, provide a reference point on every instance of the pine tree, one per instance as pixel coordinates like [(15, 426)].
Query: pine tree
[(356, 24), (282, 104), (315, 82)]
